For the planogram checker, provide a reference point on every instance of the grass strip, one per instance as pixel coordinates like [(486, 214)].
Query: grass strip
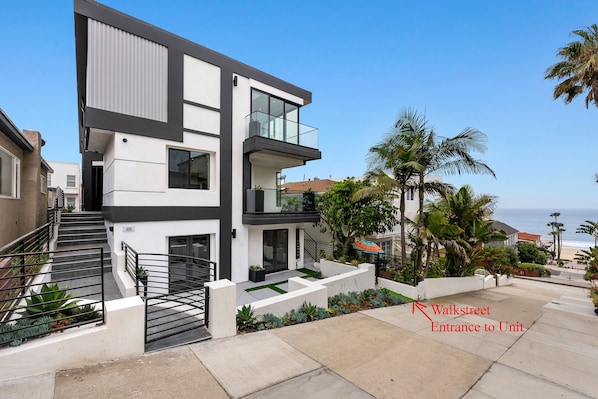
[(310, 273), (272, 286), (397, 295)]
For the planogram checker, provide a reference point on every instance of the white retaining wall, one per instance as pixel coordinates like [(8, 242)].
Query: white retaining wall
[(330, 268), (356, 280), (121, 336), (303, 291), (437, 287)]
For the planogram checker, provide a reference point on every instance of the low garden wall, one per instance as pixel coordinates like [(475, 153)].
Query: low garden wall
[(438, 287), (331, 268), (121, 336), (300, 291), (354, 280)]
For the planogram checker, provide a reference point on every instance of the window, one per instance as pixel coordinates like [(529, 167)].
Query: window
[(43, 186), (188, 169), (70, 202), (387, 248), (278, 119), (71, 181), (49, 179), (410, 194), (9, 174)]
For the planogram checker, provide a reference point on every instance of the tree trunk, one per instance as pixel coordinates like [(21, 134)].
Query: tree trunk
[(403, 238)]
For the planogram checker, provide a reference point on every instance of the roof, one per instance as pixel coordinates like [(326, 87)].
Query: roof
[(508, 230), (316, 185), (13, 133), (528, 237)]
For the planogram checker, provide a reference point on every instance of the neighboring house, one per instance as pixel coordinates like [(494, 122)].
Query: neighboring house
[(528, 237), (509, 231), (23, 176), (67, 176), (316, 185), (174, 139)]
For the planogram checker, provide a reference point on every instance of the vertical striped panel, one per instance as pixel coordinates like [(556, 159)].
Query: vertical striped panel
[(126, 74)]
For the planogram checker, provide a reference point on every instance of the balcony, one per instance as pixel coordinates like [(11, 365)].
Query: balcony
[(290, 141), (273, 206)]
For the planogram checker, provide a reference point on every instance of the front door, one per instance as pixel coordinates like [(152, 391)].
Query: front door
[(97, 186), (190, 268), (276, 247)]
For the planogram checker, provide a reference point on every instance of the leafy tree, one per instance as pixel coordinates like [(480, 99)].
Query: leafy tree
[(349, 219), (498, 259), (578, 70), (529, 253), (590, 258), (590, 228)]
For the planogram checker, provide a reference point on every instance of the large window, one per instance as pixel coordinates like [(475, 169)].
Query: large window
[(9, 174), (71, 181), (275, 250), (278, 119), (188, 169)]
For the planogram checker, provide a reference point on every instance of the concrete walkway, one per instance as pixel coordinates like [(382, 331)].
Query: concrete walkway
[(548, 348)]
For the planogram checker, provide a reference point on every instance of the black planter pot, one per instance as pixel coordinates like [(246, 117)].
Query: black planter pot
[(257, 275), (255, 201), (309, 202)]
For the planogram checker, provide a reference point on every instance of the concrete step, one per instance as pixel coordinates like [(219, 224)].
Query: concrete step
[(81, 235), (64, 243)]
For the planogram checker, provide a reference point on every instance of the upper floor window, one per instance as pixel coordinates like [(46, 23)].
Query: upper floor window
[(275, 118), (188, 169), (43, 184), (71, 181), (9, 174), (410, 194)]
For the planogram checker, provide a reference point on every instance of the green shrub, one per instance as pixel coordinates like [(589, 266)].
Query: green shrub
[(245, 317), (310, 311), (437, 269), (329, 257), (342, 259), (529, 253), (51, 301), (272, 321), (355, 262), (406, 275), (23, 329)]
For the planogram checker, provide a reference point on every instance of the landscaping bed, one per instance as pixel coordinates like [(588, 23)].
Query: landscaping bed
[(248, 321)]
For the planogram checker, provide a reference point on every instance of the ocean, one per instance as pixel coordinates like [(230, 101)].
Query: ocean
[(535, 221)]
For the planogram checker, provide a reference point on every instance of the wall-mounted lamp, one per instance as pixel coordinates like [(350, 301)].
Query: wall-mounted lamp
[(125, 140), (235, 80), (234, 233)]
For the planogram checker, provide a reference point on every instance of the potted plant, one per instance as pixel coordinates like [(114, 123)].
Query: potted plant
[(141, 274), (255, 199), (309, 200), (257, 273)]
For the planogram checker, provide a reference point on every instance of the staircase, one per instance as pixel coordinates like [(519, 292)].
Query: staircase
[(77, 233)]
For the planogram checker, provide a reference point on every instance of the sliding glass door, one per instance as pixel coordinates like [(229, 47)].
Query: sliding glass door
[(276, 248)]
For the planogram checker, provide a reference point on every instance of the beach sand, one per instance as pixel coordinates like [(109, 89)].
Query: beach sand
[(569, 254)]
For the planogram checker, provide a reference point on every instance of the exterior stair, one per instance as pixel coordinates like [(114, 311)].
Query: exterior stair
[(81, 235)]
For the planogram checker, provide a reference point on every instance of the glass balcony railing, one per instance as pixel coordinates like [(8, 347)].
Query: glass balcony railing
[(271, 200), (277, 128)]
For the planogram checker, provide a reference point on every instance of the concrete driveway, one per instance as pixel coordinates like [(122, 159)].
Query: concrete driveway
[(548, 348)]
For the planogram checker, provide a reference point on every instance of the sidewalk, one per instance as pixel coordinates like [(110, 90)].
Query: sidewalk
[(381, 353)]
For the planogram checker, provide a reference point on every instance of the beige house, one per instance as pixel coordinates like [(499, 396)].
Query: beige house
[(23, 181)]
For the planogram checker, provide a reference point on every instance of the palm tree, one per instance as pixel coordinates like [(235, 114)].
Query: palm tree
[(557, 234), (397, 157), (436, 155), (578, 69), (470, 213), (590, 228)]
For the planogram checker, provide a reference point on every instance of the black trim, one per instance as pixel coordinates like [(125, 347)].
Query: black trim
[(200, 105), (256, 219), (264, 144), (120, 214), (200, 132), (107, 120)]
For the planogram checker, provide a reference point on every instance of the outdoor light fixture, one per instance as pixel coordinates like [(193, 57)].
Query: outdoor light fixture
[(234, 233), (235, 80), (125, 140)]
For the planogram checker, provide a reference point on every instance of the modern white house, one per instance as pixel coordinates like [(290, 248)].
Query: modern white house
[(67, 176), (183, 147)]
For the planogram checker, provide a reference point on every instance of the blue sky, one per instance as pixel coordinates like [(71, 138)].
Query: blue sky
[(463, 63)]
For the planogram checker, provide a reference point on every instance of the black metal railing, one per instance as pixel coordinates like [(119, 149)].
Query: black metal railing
[(316, 249), (42, 292), (174, 291), (36, 241)]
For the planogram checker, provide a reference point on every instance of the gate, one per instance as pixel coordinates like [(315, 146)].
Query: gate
[(176, 299)]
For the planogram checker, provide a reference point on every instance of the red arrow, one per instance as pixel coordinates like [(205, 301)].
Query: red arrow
[(420, 307)]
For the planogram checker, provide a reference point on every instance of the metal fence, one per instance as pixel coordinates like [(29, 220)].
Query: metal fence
[(42, 292), (173, 289)]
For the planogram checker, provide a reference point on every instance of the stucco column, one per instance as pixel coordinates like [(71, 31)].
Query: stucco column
[(222, 308)]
